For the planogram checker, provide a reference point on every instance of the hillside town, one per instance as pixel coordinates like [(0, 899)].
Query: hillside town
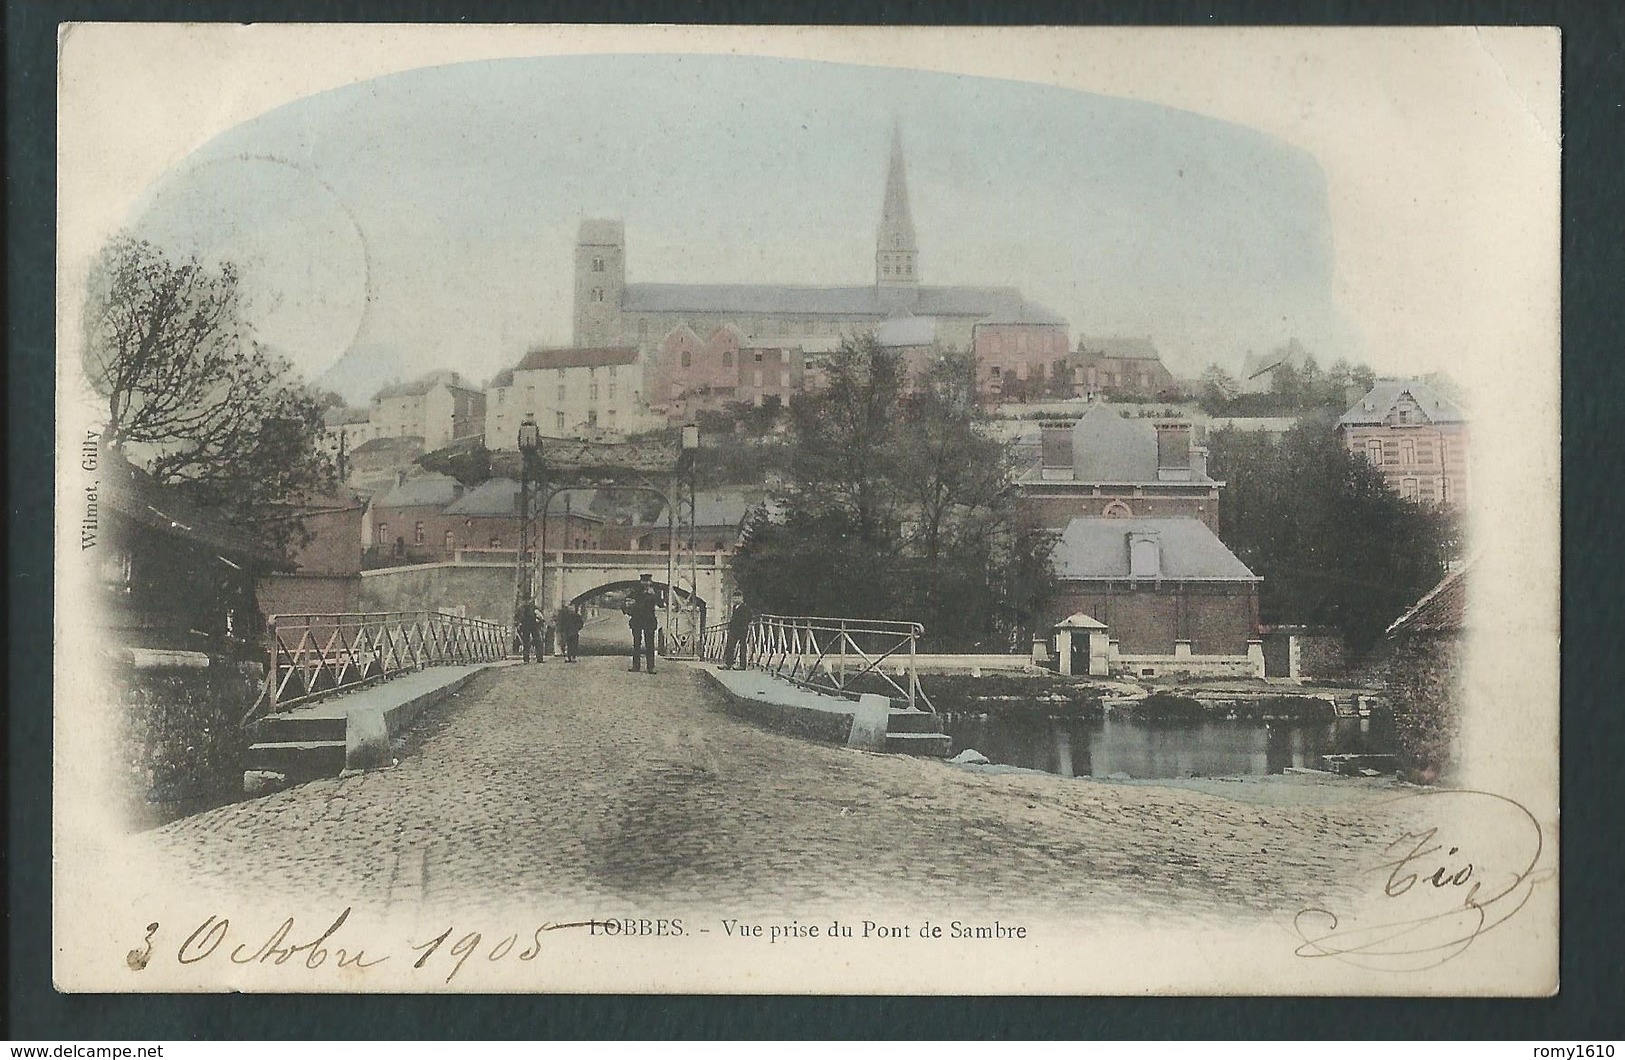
[(1019, 495)]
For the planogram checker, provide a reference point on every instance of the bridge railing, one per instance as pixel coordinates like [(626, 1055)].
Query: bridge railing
[(313, 655), (836, 655)]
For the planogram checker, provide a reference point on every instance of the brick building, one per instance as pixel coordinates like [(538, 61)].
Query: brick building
[(1108, 366), (692, 375), (1415, 436), (325, 551), (1141, 573), (487, 516), (1112, 466), (1021, 356)]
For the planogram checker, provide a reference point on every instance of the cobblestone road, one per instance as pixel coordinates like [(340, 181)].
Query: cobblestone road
[(604, 786)]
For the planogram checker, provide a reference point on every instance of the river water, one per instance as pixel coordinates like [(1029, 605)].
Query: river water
[(1071, 747)]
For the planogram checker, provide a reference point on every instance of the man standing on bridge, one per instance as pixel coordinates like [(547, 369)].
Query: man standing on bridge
[(640, 609), (527, 621), (738, 630)]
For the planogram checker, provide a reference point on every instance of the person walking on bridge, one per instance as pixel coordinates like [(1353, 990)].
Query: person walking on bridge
[(527, 620), (640, 609), (569, 623)]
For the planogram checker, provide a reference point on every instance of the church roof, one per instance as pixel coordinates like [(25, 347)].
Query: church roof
[(1375, 407), (866, 301), (1094, 549)]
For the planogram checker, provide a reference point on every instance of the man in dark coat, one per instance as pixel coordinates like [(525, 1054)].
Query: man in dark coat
[(527, 620), (738, 629), (569, 625), (640, 609)]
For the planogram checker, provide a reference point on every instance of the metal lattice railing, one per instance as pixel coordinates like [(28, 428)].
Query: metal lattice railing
[(835, 655), (315, 655)]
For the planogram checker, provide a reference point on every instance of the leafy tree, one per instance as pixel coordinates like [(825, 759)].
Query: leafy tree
[(901, 508), (1216, 389), (1334, 545), (188, 389)]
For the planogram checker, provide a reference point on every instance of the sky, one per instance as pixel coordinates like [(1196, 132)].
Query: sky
[(426, 219)]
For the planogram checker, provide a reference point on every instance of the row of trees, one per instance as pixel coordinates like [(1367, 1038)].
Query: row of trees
[(1334, 544), (900, 505), (192, 396), (1297, 385)]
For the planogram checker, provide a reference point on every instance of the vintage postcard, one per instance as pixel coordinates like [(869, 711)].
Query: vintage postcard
[(807, 510)]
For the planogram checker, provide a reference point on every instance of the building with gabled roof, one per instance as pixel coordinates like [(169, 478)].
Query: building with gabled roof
[(437, 407), (1415, 436)]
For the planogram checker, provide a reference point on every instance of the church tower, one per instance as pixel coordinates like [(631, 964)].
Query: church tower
[(600, 281), (896, 255)]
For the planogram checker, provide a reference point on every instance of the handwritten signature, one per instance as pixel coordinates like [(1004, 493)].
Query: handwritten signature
[(208, 943), (1437, 895)]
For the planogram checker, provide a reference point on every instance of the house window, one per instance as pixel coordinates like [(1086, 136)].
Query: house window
[(496, 542), (1373, 452), (561, 373), (727, 358), (561, 393), (597, 264), (382, 535), (592, 392), (687, 359), (612, 371), (758, 356), (592, 417), (597, 294), (558, 422), (1408, 489), (417, 533), (1407, 451), (1117, 510), (451, 541), (994, 371), (612, 391), (612, 417)]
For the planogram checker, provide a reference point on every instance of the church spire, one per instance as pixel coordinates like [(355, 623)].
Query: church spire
[(896, 255)]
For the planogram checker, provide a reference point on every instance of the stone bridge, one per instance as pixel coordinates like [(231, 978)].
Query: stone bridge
[(480, 582)]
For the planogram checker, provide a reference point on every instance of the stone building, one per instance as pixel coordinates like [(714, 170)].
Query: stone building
[(610, 311), (1415, 436), (437, 408), (571, 392)]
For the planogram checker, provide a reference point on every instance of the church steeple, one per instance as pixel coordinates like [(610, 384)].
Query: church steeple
[(896, 255)]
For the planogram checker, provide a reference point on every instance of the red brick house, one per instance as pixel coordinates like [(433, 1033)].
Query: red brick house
[(692, 375), (1137, 551), (1110, 366), (1415, 436), (1021, 356)]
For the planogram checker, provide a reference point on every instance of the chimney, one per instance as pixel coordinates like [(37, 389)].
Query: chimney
[(1198, 462), (1056, 450), (1173, 451), (400, 477)]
